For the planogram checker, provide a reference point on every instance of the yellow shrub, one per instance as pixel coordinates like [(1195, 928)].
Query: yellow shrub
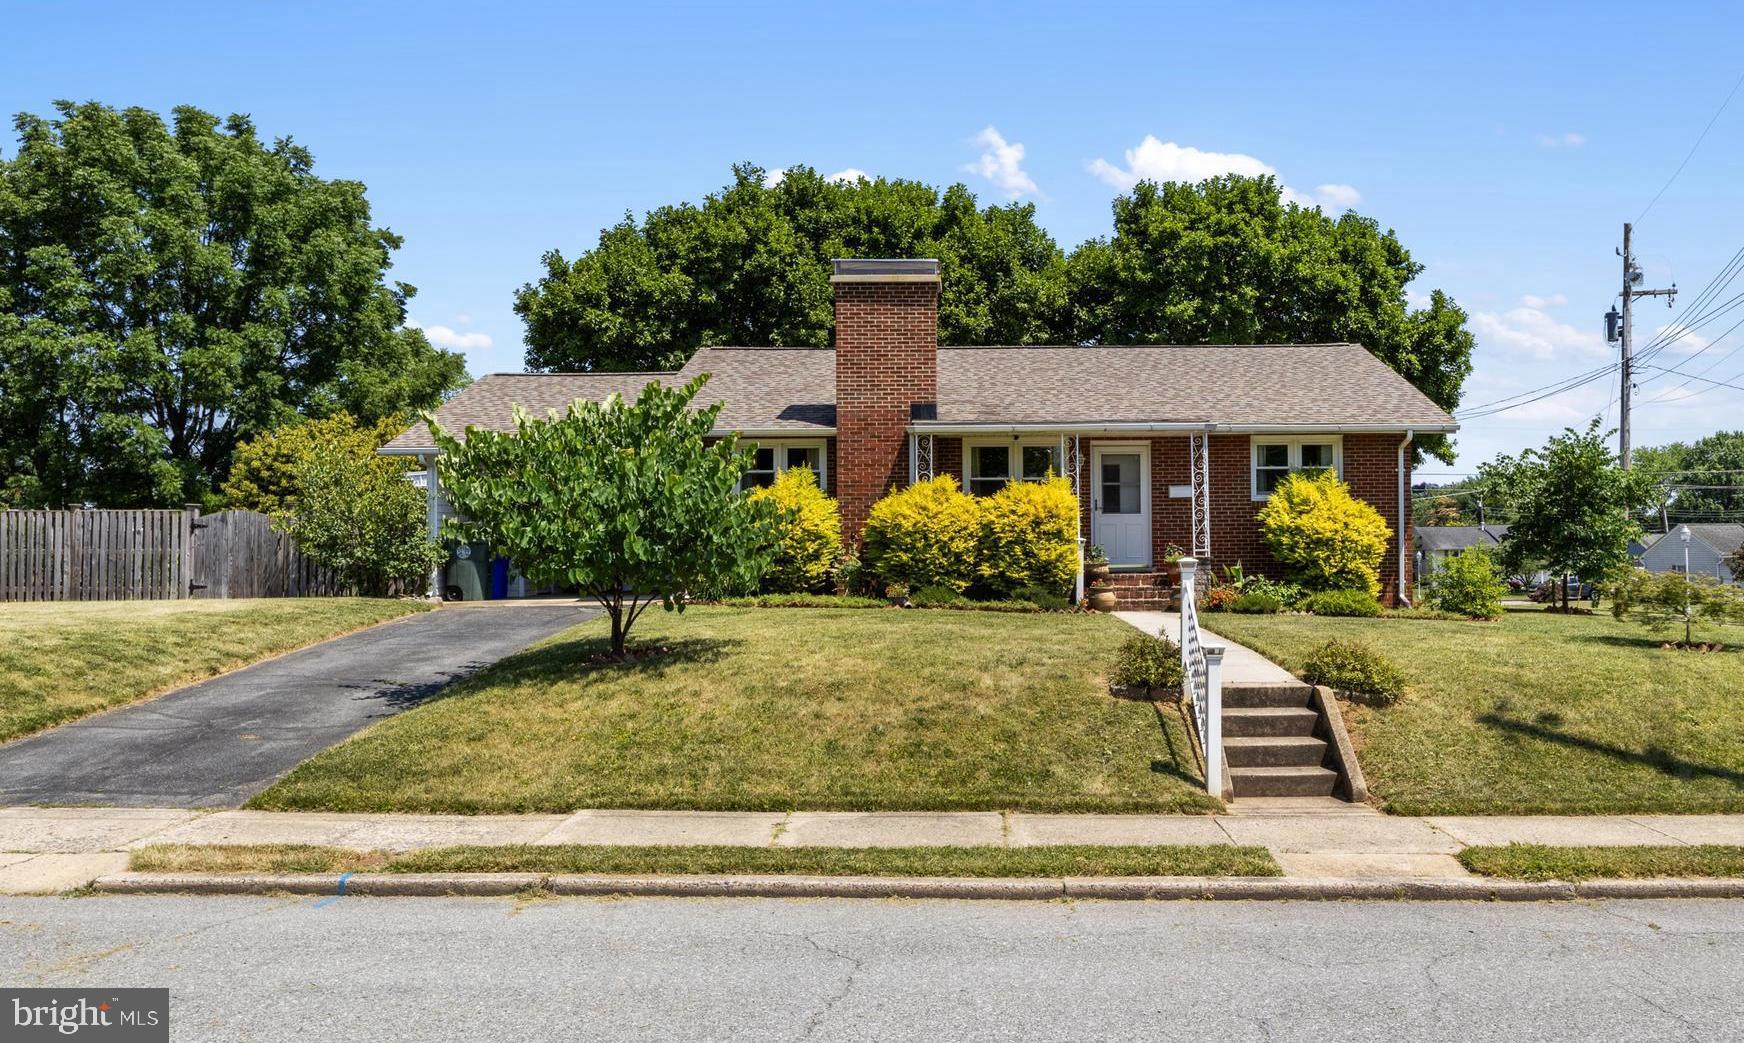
[(808, 533), (924, 536), (1329, 539), (1029, 537)]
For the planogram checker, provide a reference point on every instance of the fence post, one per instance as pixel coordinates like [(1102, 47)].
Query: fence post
[(190, 517), (1213, 737)]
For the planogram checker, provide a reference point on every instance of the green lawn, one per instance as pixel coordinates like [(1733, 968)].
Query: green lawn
[(1540, 862), (1114, 860), (774, 710), (62, 660), (1538, 713)]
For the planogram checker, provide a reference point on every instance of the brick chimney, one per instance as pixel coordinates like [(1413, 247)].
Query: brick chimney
[(887, 374)]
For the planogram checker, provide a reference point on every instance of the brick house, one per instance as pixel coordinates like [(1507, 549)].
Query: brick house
[(1172, 449)]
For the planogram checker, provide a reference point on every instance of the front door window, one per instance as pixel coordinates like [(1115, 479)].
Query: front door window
[(1120, 483)]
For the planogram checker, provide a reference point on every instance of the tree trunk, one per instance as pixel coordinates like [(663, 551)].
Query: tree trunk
[(1565, 592)]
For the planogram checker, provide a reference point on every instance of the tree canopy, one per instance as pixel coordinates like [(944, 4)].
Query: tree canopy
[(169, 290), (1224, 261), (1702, 480)]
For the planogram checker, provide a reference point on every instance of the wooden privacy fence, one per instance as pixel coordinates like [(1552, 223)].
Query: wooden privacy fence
[(132, 555)]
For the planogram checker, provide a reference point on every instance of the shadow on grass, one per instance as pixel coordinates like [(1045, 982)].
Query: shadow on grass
[(585, 657), (1645, 641), (1181, 764), (1663, 761)]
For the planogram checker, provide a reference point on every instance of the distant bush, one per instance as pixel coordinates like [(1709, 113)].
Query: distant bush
[(1256, 604), (1287, 594), (924, 535), (1327, 538), (970, 605), (1660, 601), (808, 533), (1146, 661), (1469, 584), (1046, 599), (1029, 537), (1354, 668), (1341, 603), (263, 473), (803, 601), (361, 518), (935, 596)]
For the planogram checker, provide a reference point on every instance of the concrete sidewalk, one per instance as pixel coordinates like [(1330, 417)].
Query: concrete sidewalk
[(51, 849), (1241, 664)]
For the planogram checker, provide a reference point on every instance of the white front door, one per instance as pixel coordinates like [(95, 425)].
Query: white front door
[(1120, 515)]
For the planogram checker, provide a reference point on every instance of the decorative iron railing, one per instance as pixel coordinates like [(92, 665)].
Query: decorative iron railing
[(1202, 681)]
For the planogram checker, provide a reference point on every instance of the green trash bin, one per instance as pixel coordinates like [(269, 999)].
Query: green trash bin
[(467, 576)]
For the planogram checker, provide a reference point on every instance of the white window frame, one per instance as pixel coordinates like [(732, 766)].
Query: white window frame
[(1013, 461), (780, 447), (1295, 444)]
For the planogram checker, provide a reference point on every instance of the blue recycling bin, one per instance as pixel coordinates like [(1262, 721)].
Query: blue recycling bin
[(499, 582)]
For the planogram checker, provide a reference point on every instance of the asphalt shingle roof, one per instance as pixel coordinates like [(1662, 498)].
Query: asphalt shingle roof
[(1724, 537), (793, 389), (1459, 537)]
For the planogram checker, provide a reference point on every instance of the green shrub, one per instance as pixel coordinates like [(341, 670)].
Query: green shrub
[(1420, 612), (1146, 661), (924, 535), (935, 596), (1468, 584), (1029, 537), (263, 471), (1256, 604), (808, 533), (1287, 594), (360, 517), (1327, 538), (803, 601), (1048, 600), (1341, 603), (1660, 601), (1354, 668), (969, 605)]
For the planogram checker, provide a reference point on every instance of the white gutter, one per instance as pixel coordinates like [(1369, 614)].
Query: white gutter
[(1171, 426), (1404, 518)]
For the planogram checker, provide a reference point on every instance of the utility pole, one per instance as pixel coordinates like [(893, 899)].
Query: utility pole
[(1631, 276)]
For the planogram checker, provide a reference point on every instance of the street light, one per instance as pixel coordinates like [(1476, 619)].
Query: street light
[(1683, 534)]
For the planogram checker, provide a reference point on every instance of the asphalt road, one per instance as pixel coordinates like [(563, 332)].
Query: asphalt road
[(747, 969), (217, 743)]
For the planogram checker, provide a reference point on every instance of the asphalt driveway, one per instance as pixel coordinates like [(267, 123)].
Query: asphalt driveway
[(219, 742)]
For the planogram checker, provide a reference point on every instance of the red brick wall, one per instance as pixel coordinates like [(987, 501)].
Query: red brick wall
[(886, 360)]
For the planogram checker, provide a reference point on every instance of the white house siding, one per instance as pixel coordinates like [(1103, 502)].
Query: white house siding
[(1666, 555)]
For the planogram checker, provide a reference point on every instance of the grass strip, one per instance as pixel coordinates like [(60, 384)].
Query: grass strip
[(1162, 860), (1543, 862)]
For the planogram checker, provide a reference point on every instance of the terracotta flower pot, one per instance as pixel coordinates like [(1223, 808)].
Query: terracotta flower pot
[(1096, 572), (1102, 599)]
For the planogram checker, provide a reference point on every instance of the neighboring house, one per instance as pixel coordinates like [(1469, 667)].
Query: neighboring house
[(1436, 543), (1172, 449), (1710, 544)]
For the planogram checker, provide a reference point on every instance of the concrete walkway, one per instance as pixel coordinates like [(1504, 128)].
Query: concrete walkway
[(218, 742), (1241, 664), (51, 849)]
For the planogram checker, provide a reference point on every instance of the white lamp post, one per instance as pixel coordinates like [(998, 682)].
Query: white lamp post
[(1683, 534)]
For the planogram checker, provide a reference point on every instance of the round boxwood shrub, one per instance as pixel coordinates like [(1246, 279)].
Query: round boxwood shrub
[(1256, 604), (1029, 537), (1146, 661), (1469, 584), (1353, 668), (1327, 538), (1341, 603), (925, 535), (808, 534)]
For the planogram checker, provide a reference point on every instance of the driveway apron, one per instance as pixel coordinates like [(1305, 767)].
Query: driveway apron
[(218, 742)]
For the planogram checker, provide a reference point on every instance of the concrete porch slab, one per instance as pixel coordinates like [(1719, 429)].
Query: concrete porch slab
[(1595, 830), (1241, 664), (1348, 865), (739, 829), (892, 829), (1024, 830), (1340, 834), (82, 829)]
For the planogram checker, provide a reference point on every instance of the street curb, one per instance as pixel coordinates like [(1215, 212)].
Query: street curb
[(1184, 888)]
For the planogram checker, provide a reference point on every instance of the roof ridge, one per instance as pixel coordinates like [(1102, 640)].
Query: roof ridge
[(582, 373)]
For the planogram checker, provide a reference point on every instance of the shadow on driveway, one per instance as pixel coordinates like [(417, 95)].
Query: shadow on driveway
[(219, 742)]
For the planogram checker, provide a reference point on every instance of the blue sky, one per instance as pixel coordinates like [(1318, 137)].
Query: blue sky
[(1506, 144)]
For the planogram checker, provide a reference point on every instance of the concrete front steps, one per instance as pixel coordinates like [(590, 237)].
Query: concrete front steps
[(1143, 591), (1277, 742)]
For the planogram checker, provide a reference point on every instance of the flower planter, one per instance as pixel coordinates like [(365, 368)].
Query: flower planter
[(1096, 572), (1102, 599)]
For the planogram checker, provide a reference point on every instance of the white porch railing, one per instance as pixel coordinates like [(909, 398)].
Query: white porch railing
[(1202, 681)]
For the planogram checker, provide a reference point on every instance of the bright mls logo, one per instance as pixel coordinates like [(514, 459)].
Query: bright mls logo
[(87, 1015)]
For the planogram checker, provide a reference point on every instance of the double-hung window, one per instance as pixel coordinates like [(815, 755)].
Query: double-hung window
[(993, 464), (772, 458), (1275, 457)]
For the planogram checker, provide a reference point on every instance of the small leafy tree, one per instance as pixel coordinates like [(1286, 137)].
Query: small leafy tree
[(925, 535), (630, 503), (1327, 538), (1659, 601), (361, 518), (808, 529), (263, 475), (1571, 507), (1029, 537), (1468, 584)]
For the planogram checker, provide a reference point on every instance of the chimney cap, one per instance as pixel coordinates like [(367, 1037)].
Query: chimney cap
[(885, 269)]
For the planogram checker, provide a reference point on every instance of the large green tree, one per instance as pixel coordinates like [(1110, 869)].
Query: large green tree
[(170, 289), (1702, 480), (1227, 261), (751, 266)]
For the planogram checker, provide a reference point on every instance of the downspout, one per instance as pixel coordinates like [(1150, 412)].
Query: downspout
[(433, 520), (1078, 504), (1404, 518)]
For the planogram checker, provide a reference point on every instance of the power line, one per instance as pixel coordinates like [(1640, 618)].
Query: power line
[(1699, 139)]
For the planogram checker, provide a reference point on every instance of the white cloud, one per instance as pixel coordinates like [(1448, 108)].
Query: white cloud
[(848, 176), (1570, 139), (462, 319), (1160, 161), (774, 177), (1531, 331), (452, 339), (1001, 162)]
